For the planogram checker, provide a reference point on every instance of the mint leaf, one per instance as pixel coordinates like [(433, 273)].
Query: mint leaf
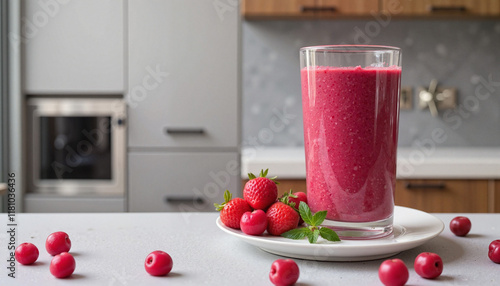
[(305, 213), (328, 234), (318, 218), (297, 233), (313, 236), (310, 237)]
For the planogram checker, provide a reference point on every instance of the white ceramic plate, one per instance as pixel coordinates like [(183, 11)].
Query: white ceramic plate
[(412, 228)]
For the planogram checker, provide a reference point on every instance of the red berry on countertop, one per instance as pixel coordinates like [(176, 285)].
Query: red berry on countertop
[(260, 192), (494, 251), (57, 242), (62, 265), (158, 263), (254, 223), (26, 253), (284, 272), (232, 210), (393, 272), (281, 218), (460, 226), (428, 265)]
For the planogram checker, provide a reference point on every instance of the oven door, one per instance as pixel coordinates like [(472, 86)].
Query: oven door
[(77, 146)]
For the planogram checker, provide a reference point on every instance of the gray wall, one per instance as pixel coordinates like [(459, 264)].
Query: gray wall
[(463, 54)]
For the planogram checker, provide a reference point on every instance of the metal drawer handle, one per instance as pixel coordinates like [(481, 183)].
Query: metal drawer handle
[(305, 9), (186, 200), (461, 9), (425, 186), (186, 131)]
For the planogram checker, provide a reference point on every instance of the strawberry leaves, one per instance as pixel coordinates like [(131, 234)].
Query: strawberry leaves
[(227, 197), (313, 231), (286, 199), (263, 174)]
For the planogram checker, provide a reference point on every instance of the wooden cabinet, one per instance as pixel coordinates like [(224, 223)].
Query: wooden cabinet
[(442, 7), (275, 8), (287, 185), (72, 47), (317, 9), (496, 196), (262, 9), (443, 195)]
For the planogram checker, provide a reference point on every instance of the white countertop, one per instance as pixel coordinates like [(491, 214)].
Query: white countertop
[(110, 249), (440, 163)]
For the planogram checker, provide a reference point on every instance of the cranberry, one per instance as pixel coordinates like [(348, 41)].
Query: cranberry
[(254, 223), (158, 263), (428, 265), (26, 253), (58, 242), (62, 265), (460, 226), (284, 272), (393, 272), (494, 251)]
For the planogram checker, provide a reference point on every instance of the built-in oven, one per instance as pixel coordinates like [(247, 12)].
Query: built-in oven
[(76, 146)]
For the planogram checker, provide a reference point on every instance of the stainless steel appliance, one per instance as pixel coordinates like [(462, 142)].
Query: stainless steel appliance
[(77, 146)]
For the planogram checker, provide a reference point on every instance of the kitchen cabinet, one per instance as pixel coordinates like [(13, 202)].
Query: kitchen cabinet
[(443, 195), (443, 7), (496, 196), (72, 47), (183, 102), (448, 195), (262, 9), (183, 75), (51, 203), (181, 181), (286, 185)]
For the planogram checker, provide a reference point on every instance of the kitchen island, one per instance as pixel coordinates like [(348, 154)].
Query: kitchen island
[(110, 249)]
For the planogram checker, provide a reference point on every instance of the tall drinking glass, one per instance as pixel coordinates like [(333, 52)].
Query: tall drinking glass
[(350, 99)]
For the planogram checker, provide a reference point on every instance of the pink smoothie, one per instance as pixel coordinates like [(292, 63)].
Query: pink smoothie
[(351, 132)]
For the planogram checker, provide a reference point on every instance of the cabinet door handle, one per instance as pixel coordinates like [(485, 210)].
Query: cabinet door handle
[(184, 131), (411, 186), (306, 9), (437, 9), (184, 199)]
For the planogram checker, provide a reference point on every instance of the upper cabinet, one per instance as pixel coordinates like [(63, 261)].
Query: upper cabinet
[(443, 7), (72, 47), (183, 74), (332, 9), (262, 9)]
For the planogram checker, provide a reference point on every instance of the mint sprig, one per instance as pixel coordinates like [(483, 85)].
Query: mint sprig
[(313, 231)]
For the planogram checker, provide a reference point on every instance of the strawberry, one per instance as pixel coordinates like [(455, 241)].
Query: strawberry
[(281, 218), (294, 199), (260, 192), (232, 210)]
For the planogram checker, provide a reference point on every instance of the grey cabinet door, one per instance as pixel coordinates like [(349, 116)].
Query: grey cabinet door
[(190, 182), (72, 47), (183, 74)]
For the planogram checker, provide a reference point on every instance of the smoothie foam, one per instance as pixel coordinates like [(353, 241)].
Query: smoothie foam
[(350, 134)]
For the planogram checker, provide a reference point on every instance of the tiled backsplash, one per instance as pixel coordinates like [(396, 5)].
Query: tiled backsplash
[(464, 54)]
